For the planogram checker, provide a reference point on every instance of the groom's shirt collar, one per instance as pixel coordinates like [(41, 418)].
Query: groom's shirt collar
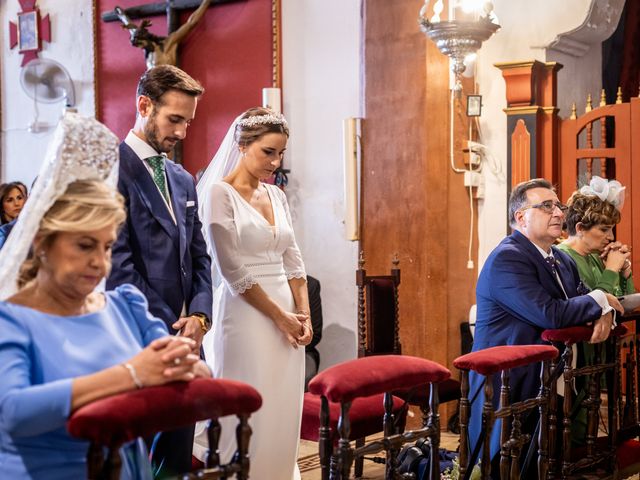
[(141, 148)]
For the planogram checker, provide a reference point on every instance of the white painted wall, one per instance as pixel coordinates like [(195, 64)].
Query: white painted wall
[(72, 46), (526, 30), (321, 69)]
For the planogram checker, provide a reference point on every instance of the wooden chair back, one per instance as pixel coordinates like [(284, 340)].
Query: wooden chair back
[(378, 313)]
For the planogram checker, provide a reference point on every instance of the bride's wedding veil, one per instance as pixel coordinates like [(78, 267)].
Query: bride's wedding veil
[(222, 163)]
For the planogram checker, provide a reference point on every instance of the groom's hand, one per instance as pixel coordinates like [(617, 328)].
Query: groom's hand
[(190, 327)]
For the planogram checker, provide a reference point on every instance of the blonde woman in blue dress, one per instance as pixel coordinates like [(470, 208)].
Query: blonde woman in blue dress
[(261, 307)]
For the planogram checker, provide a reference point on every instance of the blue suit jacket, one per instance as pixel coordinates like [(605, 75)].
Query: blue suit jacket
[(518, 297), (167, 261)]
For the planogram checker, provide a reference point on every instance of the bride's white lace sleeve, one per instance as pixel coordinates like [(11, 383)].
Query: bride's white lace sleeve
[(292, 258), (222, 236)]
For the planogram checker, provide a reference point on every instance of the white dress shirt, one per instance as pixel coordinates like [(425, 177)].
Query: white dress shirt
[(143, 150)]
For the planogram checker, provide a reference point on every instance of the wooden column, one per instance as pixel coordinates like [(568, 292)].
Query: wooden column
[(412, 203), (532, 120)]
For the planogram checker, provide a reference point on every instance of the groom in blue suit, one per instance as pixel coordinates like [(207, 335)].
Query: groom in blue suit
[(527, 286), (160, 248)]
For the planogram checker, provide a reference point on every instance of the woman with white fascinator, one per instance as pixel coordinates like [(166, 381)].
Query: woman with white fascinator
[(64, 344), (603, 263), (261, 306)]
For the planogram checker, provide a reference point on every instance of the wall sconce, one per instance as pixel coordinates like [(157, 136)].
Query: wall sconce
[(468, 24), (351, 140)]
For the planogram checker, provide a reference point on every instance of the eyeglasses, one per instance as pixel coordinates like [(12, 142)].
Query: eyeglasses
[(548, 206)]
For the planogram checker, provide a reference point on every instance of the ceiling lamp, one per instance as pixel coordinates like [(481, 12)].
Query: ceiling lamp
[(470, 22)]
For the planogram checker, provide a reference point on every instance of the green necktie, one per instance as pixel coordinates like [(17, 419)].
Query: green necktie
[(157, 165)]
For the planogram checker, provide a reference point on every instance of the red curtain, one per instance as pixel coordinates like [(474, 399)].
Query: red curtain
[(630, 73)]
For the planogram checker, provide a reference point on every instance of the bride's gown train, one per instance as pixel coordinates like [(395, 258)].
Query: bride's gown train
[(246, 345)]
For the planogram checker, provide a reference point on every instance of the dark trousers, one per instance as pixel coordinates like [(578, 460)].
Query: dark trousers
[(171, 452)]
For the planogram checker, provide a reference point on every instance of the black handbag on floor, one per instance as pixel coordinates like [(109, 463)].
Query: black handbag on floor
[(416, 459)]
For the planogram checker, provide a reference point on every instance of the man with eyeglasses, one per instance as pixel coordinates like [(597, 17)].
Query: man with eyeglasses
[(527, 286)]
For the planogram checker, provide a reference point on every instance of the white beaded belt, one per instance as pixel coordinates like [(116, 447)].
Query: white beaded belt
[(260, 270)]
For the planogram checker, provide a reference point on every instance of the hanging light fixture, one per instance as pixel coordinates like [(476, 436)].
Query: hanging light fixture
[(469, 23)]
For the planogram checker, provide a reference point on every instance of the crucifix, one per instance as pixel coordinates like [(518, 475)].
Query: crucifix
[(161, 50)]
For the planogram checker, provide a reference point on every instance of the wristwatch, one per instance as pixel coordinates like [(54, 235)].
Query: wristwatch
[(205, 322)]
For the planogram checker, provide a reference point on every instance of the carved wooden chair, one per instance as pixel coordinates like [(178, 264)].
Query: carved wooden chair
[(110, 422), (378, 327), (617, 451), (488, 363), (368, 412), (628, 432), (348, 383)]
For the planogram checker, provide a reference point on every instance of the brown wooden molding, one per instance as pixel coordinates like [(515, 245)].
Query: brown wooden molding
[(521, 110), (276, 25), (549, 84), (520, 153), (532, 113), (521, 79), (516, 64)]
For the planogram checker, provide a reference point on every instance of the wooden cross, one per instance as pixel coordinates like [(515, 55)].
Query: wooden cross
[(157, 49)]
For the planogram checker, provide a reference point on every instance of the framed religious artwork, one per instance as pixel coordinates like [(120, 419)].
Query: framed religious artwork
[(474, 105), (29, 31), (28, 39)]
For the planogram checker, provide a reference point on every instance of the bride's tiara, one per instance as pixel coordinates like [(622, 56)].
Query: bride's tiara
[(268, 119)]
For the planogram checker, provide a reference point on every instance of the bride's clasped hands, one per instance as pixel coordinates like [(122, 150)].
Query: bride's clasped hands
[(295, 326)]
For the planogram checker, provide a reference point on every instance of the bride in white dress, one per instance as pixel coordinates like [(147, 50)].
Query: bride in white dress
[(261, 307)]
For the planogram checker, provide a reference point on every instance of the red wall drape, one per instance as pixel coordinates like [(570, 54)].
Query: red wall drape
[(630, 74), (230, 52)]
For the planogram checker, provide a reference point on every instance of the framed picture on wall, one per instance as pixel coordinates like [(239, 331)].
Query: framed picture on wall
[(28, 31), (474, 105)]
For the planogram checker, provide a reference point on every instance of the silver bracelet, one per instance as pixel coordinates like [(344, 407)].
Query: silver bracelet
[(134, 375)]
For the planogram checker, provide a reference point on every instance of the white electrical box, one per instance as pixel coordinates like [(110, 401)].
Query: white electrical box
[(472, 179)]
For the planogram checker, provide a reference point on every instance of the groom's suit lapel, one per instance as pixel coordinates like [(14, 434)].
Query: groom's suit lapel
[(150, 195), (179, 202)]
